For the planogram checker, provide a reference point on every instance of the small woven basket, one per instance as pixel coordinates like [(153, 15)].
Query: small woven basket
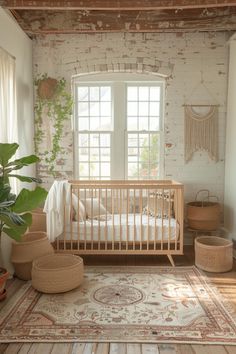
[(57, 273), (213, 254)]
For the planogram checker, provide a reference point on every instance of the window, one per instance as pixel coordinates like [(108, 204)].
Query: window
[(118, 129)]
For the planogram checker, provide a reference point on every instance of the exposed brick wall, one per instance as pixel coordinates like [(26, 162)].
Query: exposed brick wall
[(181, 58)]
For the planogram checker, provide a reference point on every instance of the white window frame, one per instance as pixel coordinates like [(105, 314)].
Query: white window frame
[(119, 82)]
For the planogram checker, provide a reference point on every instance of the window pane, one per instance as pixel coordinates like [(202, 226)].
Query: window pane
[(154, 123), (83, 154), (154, 108), (132, 123), (132, 93), (132, 108), (83, 140), (143, 123), (94, 154), (105, 169), (83, 124), (105, 154), (105, 123), (94, 123), (143, 93), (105, 140), (105, 93), (105, 109), (143, 109), (94, 169), (94, 109), (83, 169), (94, 94), (83, 93), (132, 169), (94, 140), (83, 109), (154, 93)]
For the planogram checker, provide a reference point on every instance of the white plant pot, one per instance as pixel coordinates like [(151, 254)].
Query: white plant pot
[(5, 251)]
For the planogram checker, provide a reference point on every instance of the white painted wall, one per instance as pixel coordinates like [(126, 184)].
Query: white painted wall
[(18, 44), (230, 153)]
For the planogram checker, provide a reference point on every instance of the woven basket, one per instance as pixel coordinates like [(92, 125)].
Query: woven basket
[(38, 221), (57, 273), (213, 254), (33, 245), (203, 215)]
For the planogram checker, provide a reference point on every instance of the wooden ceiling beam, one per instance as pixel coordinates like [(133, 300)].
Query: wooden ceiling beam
[(113, 5), (34, 22)]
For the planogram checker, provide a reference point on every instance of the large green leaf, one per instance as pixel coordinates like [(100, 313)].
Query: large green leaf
[(29, 200), (26, 179), (6, 152), (16, 231), (15, 228), (5, 190), (12, 233), (24, 161)]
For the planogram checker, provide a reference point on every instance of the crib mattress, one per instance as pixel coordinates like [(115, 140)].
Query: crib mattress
[(115, 229)]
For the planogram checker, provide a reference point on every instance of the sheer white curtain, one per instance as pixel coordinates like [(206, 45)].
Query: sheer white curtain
[(8, 114)]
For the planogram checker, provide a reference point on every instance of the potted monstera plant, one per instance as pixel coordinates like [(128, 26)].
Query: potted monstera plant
[(15, 216)]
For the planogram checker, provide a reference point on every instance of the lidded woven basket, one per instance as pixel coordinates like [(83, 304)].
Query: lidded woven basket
[(57, 273)]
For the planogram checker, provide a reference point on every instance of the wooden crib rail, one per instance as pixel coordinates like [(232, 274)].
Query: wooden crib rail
[(125, 217)]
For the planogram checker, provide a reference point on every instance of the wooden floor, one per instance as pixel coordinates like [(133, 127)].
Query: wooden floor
[(226, 283)]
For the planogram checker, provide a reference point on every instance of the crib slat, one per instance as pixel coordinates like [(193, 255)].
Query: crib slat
[(99, 217), (148, 216), (91, 198), (169, 218), (78, 222), (106, 220), (127, 218), (162, 217), (71, 215), (120, 211), (85, 222), (113, 227), (141, 217), (134, 212), (155, 221)]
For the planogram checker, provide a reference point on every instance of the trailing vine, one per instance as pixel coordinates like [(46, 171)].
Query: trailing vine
[(56, 105)]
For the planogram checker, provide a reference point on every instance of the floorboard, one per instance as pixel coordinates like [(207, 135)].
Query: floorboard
[(225, 283)]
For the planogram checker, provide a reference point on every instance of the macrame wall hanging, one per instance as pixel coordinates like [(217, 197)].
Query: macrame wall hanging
[(201, 131), (201, 126)]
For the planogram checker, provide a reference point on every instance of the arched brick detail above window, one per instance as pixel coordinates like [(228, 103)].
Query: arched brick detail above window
[(138, 65)]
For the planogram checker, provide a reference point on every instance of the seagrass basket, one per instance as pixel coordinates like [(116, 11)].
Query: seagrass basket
[(57, 273), (33, 245), (38, 221), (213, 254), (204, 214)]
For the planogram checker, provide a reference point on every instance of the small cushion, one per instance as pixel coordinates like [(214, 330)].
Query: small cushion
[(92, 208), (78, 209)]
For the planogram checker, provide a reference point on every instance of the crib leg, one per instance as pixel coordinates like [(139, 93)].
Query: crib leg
[(171, 260)]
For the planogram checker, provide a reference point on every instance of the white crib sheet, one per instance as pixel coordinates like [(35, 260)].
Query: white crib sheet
[(116, 228)]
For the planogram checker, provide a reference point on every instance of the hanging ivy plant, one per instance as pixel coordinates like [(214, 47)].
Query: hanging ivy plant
[(53, 101)]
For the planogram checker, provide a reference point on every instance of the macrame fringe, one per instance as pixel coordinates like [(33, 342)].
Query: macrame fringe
[(201, 132)]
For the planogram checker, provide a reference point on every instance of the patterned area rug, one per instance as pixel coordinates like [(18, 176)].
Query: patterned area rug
[(123, 304)]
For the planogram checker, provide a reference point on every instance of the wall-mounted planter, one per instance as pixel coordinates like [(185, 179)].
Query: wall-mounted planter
[(47, 88)]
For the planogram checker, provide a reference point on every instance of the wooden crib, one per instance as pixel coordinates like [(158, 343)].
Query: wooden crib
[(124, 217)]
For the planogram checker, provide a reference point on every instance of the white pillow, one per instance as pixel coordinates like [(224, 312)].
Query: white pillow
[(78, 208), (92, 208)]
